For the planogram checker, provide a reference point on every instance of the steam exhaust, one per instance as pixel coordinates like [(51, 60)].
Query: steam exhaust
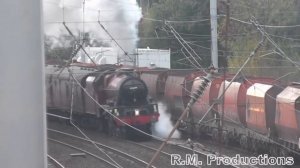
[(164, 125)]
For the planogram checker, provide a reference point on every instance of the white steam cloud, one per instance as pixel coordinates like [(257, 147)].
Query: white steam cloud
[(119, 17), (164, 125)]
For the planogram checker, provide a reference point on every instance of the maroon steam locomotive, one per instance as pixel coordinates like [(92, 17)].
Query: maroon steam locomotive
[(260, 114), (105, 96)]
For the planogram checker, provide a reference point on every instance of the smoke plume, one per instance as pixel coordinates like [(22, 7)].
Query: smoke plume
[(119, 17), (164, 125)]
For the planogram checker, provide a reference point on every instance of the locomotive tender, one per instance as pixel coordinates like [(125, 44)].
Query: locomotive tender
[(260, 114), (119, 92)]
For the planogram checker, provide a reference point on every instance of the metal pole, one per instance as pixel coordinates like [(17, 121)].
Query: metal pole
[(214, 33), (225, 65), (137, 58), (195, 96), (22, 87)]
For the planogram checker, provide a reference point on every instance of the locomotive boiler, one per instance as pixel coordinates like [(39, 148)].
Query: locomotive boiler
[(106, 97)]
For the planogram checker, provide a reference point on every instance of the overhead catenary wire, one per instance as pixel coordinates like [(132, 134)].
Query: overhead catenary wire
[(112, 38), (115, 117), (198, 93), (72, 96), (272, 141), (83, 34), (234, 77), (175, 21), (182, 39), (79, 7), (193, 64), (253, 22), (83, 23), (188, 58), (267, 138), (281, 52), (71, 121), (184, 45), (55, 161), (252, 54), (61, 69), (75, 81), (265, 26), (78, 43), (105, 109)]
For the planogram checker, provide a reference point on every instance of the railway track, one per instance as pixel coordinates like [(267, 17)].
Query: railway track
[(231, 151), (149, 148), (178, 149), (164, 160), (145, 149), (167, 154), (85, 152), (130, 158), (54, 162)]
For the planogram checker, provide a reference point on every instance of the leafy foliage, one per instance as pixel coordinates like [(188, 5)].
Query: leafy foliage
[(244, 37), (153, 33)]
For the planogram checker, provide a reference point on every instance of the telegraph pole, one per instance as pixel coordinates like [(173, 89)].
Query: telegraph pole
[(214, 33), (221, 133), (226, 49)]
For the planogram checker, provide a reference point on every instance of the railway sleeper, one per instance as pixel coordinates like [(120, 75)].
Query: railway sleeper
[(246, 140)]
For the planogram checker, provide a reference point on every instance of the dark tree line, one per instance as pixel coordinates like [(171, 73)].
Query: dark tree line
[(154, 33)]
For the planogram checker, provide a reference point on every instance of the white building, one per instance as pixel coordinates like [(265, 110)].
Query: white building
[(146, 57), (143, 57), (100, 55)]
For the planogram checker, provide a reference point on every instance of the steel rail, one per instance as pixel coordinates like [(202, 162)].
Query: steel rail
[(82, 150), (153, 149), (206, 154), (56, 163), (103, 146)]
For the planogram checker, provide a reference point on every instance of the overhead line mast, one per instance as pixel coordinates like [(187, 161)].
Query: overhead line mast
[(214, 33)]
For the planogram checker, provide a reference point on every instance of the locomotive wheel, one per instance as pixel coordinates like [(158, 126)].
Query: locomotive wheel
[(117, 132), (273, 150), (112, 129), (199, 132), (148, 131), (215, 135), (225, 138), (254, 145), (101, 125), (244, 142), (283, 152), (190, 130)]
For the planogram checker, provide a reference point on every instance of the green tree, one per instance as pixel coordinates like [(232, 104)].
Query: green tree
[(244, 37), (154, 34)]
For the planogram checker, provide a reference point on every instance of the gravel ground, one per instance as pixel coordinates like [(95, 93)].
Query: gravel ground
[(231, 151), (128, 147), (62, 154), (124, 162)]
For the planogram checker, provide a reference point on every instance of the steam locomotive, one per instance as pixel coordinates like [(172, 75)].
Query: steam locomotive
[(107, 97), (259, 114)]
